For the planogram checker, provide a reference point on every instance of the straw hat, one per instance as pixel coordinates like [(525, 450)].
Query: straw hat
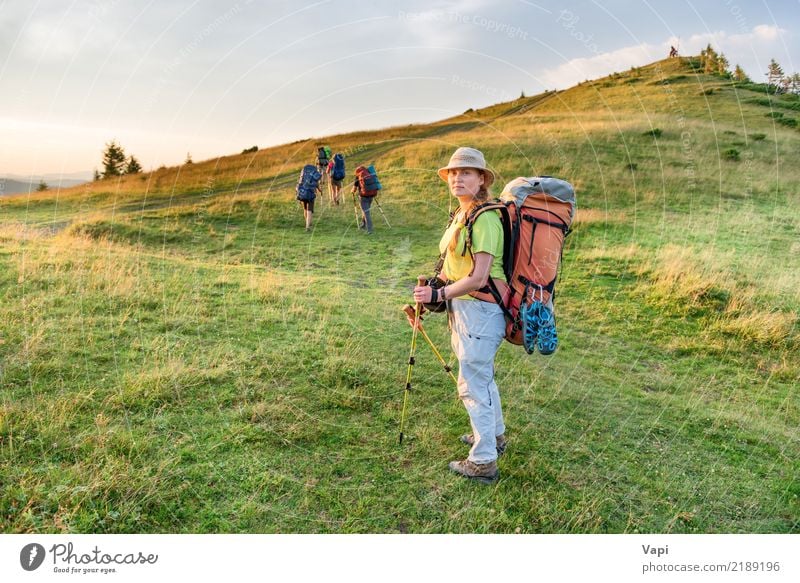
[(468, 158)]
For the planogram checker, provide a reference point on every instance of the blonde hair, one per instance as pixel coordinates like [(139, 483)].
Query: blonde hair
[(480, 197)]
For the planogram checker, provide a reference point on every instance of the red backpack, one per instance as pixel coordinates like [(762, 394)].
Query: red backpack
[(367, 182)]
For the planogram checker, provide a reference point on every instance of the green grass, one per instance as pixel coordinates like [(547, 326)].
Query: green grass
[(177, 355)]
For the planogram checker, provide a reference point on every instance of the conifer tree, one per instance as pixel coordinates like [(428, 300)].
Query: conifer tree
[(795, 85), (774, 73), (740, 75), (723, 65), (113, 160), (708, 58), (133, 166)]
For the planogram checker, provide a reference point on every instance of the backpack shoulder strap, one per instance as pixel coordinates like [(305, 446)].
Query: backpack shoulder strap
[(440, 262), (505, 221)]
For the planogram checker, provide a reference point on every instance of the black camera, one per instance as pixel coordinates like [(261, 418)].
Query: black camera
[(436, 284)]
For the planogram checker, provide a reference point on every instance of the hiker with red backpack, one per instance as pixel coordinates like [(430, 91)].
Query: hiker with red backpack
[(477, 327), (366, 185)]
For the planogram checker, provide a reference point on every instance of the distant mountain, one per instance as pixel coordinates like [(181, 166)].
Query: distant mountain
[(14, 183)]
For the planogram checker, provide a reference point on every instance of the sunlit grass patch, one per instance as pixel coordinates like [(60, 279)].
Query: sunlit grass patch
[(760, 326)]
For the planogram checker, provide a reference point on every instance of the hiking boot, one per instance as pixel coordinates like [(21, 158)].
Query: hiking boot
[(539, 328), (484, 473), (469, 439), (547, 338)]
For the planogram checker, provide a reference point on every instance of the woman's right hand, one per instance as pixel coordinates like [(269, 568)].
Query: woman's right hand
[(423, 294)]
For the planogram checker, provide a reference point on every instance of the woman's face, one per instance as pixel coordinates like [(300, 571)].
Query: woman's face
[(464, 181)]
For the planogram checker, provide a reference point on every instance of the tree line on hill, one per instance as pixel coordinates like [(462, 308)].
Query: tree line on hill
[(116, 163), (713, 62)]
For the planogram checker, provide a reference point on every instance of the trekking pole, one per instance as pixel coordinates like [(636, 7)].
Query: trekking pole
[(418, 306), (355, 209), (447, 368), (383, 215)]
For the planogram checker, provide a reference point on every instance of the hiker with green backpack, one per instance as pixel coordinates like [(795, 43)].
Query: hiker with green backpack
[(477, 327)]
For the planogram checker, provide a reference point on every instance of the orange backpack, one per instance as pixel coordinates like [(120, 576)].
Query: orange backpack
[(536, 214)]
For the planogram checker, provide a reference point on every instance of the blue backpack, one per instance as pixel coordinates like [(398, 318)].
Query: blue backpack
[(377, 183), (338, 167), (308, 184)]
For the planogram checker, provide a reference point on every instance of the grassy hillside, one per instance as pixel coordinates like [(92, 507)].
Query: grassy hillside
[(178, 355)]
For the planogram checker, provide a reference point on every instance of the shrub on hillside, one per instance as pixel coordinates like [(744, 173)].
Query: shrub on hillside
[(782, 102), (694, 63), (655, 133), (759, 87), (758, 137), (731, 154)]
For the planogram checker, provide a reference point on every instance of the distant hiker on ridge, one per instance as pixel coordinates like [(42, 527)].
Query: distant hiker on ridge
[(673, 52)]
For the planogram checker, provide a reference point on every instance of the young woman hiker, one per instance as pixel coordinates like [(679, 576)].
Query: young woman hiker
[(335, 184), (477, 327)]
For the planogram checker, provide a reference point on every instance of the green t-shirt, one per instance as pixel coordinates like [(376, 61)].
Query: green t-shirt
[(487, 237)]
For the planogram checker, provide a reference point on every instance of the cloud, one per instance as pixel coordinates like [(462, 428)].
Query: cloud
[(767, 32), (577, 70), (737, 48), (445, 24), (57, 33), (727, 43)]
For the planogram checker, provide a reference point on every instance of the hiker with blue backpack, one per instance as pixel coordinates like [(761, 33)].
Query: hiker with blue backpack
[(336, 169), (307, 190)]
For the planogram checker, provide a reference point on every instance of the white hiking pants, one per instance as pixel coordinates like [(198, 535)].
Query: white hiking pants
[(477, 331)]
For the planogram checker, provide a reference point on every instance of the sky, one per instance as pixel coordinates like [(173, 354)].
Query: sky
[(211, 78)]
